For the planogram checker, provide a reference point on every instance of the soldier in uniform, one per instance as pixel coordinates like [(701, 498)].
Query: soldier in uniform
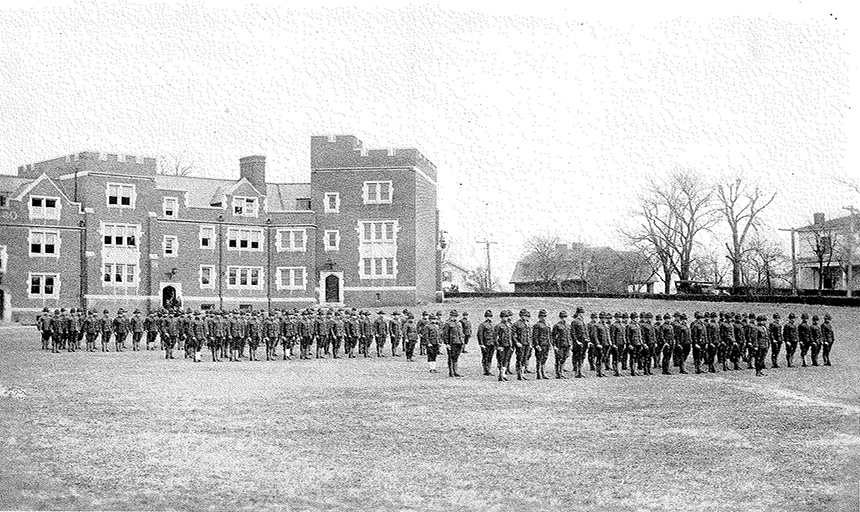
[(172, 331), (432, 335), (541, 341), (58, 326), (350, 331), (595, 344), (561, 343), (486, 342), (604, 336), (578, 342), (827, 339), (71, 331), (337, 334), (815, 339), (740, 338), (255, 335), (503, 334), (698, 339), (624, 352), (43, 324), (270, 336), (749, 323), (90, 328), (804, 337), (522, 341), (410, 337), (712, 334), (136, 328), (617, 343), (775, 334), (658, 340), (452, 336), (790, 337), (380, 333), (467, 330), (726, 339), (633, 337), (667, 349), (648, 342), (120, 327), (198, 331), (365, 329), (395, 332), (683, 342), (151, 329), (762, 340)]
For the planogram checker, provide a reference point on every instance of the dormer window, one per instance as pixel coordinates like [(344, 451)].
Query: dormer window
[(170, 207), (245, 206), (42, 207)]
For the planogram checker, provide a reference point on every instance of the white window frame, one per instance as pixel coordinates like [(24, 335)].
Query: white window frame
[(120, 187), (244, 203), (112, 229), (243, 271), (291, 273), (175, 208), (204, 230), (286, 240), (326, 202), (125, 270), (376, 186), (212, 277), (43, 212), (42, 278), (380, 228), (43, 233), (175, 245), (246, 234), (378, 268), (328, 247)]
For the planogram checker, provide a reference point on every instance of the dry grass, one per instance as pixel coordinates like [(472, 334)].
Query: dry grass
[(132, 431)]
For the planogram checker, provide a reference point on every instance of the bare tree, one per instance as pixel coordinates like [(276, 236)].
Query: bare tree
[(765, 265), (852, 183), (740, 206), (709, 266), (821, 241), (480, 281), (548, 260), (175, 164)]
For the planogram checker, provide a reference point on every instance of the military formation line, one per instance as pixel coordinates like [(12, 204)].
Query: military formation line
[(616, 343)]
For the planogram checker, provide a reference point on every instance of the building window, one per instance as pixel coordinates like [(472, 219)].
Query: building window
[(242, 239), (119, 274), (332, 202), (245, 206), (382, 231), (292, 240), (119, 235), (170, 207), (44, 243), (377, 192), (207, 237), (44, 207), (378, 268), (331, 239), (246, 307), (244, 278), (303, 204), (292, 278), (207, 274), (4, 201), (44, 286), (171, 246), (120, 195), (207, 307)]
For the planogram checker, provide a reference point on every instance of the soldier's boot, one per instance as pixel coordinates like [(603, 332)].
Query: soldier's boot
[(698, 367), (520, 374), (803, 360), (615, 368), (814, 359), (666, 367), (501, 374), (773, 361), (711, 368), (578, 374), (457, 369), (633, 369), (538, 373)]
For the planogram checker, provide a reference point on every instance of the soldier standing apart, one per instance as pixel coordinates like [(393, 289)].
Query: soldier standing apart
[(503, 334), (803, 337), (486, 342), (579, 343), (467, 330), (410, 336), (815, 339), (91, 330), (452, 336), (43, 323), (395, 332), (561, 344), (522, 343), (541, 341), (775, 331), (120, 328), (789, 336), (762, 339), (827, 339), (380, 333), (431, 334)]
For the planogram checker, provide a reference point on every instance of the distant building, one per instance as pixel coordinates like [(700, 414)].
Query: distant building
[(455, 277), (96, 230), (824, 250), (586, 269)]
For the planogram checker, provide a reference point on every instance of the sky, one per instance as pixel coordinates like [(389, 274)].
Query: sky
[(540, 119)]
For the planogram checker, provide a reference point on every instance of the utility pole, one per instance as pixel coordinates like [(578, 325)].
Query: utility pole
[(849, 275), (793, 262), (487, 243)]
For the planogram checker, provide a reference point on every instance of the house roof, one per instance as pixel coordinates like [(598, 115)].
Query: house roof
[(838, 223), (12, 183), (454, 265), (209, 191), (524, 271)]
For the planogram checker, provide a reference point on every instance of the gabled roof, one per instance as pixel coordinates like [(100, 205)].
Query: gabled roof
[(283, 196), (837, 224), (454, 265), (525, 273), (25, 189), (12, 183), (210, 191)]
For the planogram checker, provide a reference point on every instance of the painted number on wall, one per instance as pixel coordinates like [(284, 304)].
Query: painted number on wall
[(9, 215)]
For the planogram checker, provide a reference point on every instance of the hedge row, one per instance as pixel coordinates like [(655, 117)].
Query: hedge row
[(793, 299)]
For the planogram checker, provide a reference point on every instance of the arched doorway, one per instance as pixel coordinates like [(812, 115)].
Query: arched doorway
[(168, 297), (332, 288)]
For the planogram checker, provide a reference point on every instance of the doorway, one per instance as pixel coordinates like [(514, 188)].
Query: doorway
[(331, 288)]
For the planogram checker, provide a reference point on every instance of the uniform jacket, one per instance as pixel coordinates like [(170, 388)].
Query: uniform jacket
[(467, 327), (803, 333), (561, 335), (789, 333), (410, 331), (484, 334), (522, 333), (452, 332), (697, 333), (616, 333), (431, 333), (503, 333), (542, 334), (380, 327), (120, 325), (827, 336), (775, 330), (578, 331), (633, 333)]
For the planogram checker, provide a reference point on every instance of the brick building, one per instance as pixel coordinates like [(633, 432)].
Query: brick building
[(99, 230)]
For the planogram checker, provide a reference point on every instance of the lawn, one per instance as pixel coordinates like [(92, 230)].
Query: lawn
[(133, 431)]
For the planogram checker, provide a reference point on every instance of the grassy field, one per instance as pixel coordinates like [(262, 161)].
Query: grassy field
[(133, 431)]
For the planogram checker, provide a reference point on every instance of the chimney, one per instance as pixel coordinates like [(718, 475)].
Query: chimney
[(253, 169), (818, 219)]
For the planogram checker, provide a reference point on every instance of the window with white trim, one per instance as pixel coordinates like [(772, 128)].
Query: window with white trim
[(245, 206), (44, 243), (170, 246), (381, 231), (170, 207), (292, 278), (44, 286), (331, 204), (377, 268), (119, 274), (244, 278), (331, 240), (377, 192), (292, 240), (207, 237), (120, 195), (43, 207), (245, 239), (119, 235), (207, 277)]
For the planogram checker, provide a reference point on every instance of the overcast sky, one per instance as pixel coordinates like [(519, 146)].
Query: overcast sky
[(539, 119)]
